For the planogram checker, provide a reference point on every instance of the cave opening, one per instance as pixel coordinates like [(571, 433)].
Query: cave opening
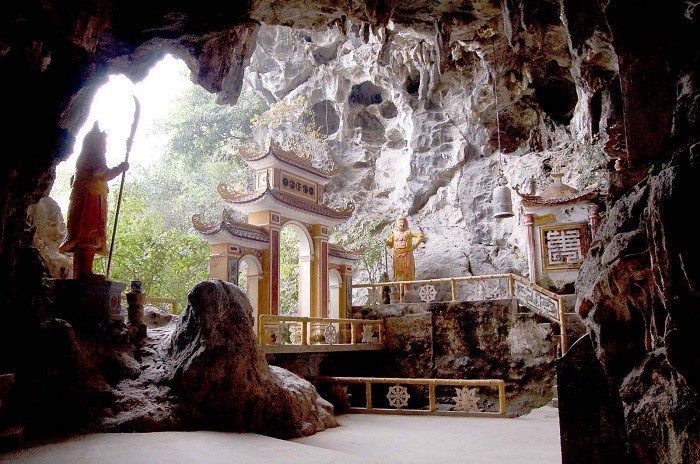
[(113, 108)]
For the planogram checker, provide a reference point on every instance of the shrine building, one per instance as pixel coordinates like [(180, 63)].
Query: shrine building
[(560, 223), (288, 193)]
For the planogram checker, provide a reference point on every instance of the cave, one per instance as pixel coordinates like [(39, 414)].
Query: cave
[(365, 94), (642, 267), (558, 99)]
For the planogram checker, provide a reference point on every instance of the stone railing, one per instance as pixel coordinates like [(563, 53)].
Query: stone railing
[(444, 396), (288, 334), (486, 287)]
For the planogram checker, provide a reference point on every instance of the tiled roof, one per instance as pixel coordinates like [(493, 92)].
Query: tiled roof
[(245, 200), (338, 252), (557, 193), (234, 228), (535, 200), (286, 157)]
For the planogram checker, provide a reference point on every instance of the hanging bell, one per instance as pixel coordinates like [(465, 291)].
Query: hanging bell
[(502, 203)]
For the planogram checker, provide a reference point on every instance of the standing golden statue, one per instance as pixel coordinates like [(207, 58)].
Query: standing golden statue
[(87, 210), (403, 241)]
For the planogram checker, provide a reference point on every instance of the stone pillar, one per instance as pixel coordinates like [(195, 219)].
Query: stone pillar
[(594, 218), (588, 401), (531, 246), (135, 299)]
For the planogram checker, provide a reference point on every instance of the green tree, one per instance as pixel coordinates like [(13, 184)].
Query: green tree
[(154, 240), (168, 261), (203, 145), (289, 272), (364, 235), (290, 123)]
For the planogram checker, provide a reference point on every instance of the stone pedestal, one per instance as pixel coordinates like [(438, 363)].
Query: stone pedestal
[(87, 303), (135, 299)]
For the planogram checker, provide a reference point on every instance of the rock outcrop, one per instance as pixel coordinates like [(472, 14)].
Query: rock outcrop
[(469, 340), (638, 303), (205, 370), (222, 379)]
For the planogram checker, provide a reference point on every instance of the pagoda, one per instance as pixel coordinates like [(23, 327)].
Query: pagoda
[(288, 193)]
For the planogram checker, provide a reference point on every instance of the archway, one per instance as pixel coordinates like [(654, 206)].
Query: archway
[(250, 272), (335, 281), (303, 251)]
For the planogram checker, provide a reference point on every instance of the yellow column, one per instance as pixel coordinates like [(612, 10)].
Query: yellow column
[(319, 272), (346, 292), (268, 288), (264, 284), (223, 262)]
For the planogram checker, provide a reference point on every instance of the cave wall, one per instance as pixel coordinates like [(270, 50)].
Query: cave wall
[(622, 72)]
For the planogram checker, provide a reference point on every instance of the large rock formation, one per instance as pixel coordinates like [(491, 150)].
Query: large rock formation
[(416, 132), (203, 370), (222, 379)]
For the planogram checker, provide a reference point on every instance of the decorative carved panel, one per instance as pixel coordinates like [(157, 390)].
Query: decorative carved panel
[(564, 246)]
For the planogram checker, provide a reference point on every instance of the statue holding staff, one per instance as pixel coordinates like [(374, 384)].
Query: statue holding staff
[(87, 210)]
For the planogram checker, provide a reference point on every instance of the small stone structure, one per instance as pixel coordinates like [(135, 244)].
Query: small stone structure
[(560, 223), (87, 303), (135, 299)]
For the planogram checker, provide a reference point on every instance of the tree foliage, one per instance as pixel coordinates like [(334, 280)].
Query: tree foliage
[(203, 145), (168, 261), (155, 241), (289, 272), (290, 123), (363, 234)]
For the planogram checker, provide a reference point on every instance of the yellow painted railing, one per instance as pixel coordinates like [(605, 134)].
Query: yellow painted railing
[(282, 333), (488, 287), (464, 402)]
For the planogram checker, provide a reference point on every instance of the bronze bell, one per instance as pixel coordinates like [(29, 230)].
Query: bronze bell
[(502, 203)]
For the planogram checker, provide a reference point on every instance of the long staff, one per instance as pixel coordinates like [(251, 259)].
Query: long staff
[(129, 141)]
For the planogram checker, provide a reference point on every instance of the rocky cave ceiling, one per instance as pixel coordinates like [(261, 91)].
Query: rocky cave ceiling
[(623, 68)]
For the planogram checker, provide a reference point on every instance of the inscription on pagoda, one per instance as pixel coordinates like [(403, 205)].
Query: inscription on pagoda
[(299, 187)]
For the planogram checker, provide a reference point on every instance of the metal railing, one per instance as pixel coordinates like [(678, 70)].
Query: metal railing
[(277, 333), (440, 399), (486, 287)]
